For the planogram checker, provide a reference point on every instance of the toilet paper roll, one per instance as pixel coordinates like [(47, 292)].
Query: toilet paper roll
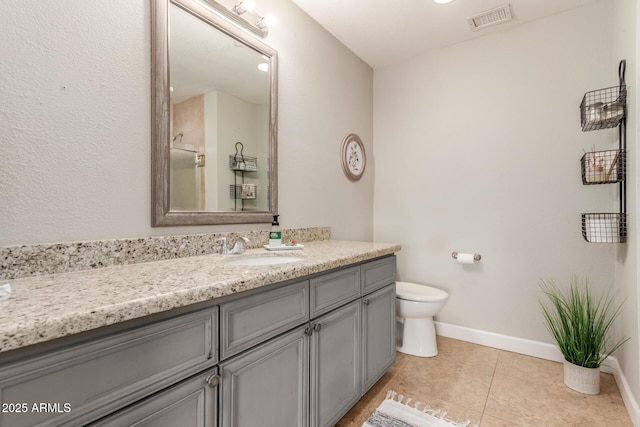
[(465, 258)]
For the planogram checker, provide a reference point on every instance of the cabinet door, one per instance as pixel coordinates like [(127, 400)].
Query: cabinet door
[(335, 364), (192, 403), (268, 385), (378, 334)]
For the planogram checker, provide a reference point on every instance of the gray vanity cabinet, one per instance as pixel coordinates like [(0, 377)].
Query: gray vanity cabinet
[(308, 377), (378, 335), (268, 386), (295, 354), (335, 364)]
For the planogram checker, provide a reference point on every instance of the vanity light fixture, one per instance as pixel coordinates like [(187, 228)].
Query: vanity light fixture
[(261, 22), (242, 14)]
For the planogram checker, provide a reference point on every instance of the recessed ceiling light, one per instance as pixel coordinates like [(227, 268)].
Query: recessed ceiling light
[(442, 1)]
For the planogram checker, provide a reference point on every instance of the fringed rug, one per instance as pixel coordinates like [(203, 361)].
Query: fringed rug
[(399, 411)]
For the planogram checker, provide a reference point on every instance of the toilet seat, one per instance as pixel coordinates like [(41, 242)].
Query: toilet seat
[(414, 292)]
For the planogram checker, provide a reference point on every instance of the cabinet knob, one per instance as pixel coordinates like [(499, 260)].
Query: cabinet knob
[(213, 380), (317, 327), (308, 331), (365, 301)]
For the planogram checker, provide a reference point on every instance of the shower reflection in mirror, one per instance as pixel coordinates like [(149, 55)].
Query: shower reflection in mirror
[(216, 100)]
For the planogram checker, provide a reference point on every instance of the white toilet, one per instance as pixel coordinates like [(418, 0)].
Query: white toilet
[(415, 307)]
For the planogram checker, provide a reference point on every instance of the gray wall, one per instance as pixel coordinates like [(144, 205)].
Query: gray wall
[(478, 148)]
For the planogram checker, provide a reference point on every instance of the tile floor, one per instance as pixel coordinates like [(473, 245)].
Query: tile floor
[(493, 388)]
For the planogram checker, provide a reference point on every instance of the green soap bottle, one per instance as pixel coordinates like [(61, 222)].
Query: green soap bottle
[(275, 235)]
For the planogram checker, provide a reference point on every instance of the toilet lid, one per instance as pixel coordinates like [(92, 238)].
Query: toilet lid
[(414, 292)]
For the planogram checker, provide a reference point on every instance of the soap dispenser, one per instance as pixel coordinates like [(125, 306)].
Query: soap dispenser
[(275, 235)]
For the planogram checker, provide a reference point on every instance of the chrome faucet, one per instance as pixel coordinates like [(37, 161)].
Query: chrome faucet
[(239, 248), (224, 249)]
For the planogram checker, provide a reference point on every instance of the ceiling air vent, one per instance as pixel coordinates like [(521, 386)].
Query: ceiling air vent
[(490, 17)]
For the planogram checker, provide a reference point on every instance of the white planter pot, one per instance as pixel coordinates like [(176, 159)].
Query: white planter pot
[(581, 379)]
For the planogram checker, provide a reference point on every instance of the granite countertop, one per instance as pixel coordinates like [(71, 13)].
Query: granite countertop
[(43, 308)]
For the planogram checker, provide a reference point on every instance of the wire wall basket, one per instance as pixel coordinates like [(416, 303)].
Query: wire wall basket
[(243, 191), (604, 227), (243, 163), (603, 167), (603, 108)]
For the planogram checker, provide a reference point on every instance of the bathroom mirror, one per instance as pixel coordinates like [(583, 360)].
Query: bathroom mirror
[(214, 100)]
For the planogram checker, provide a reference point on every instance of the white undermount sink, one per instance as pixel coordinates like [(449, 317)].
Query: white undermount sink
[(261, 260)]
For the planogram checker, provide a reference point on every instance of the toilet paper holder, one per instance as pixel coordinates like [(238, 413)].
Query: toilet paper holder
[(476, 257)]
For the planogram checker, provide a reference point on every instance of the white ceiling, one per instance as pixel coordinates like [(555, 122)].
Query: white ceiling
[(383, 32)]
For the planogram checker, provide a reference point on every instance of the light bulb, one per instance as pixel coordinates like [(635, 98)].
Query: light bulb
[(244, 6), (249, 4), (269, 20)]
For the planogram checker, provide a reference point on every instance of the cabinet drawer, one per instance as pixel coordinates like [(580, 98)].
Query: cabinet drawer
[(252, 320), (87, 381), (192, 403), (332, 290), (379, 273)]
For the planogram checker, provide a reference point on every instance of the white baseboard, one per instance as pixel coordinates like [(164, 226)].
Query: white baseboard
[(612, 366), (541, 350)]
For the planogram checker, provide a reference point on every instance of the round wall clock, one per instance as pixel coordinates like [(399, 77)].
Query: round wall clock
[(354, 158)]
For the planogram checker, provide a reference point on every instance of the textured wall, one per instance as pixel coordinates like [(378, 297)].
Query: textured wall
[(75, 113), (75, 145)]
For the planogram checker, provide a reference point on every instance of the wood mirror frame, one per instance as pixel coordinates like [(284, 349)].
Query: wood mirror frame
[(162, 215)]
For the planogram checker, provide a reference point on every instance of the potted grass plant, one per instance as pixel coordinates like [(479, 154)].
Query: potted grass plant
[(580, 323)]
